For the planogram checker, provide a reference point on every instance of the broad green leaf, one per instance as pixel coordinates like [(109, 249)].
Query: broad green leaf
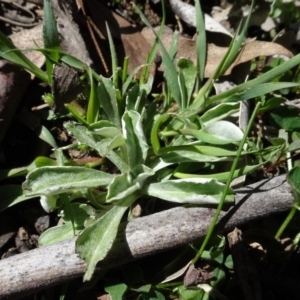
[(95, 241), (272, 103), (219, 112), (121, 186), (219, 133), (294, 146), (79, 215), (57, 234), (108, 100), (55, 180), (125, 184), (8, 173), (136, 144), (116, 291), (152, 295), (107, 132), (46, 136), (49, 202), (293, 178), (191, 190), (106, 145), (190, 294), (10, 195), (287, 117)]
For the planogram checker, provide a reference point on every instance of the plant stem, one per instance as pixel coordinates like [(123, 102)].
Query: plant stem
[(286, 222), (233, 167)]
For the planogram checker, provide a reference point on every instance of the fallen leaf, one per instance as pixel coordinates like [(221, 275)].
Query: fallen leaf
[(187, 49)]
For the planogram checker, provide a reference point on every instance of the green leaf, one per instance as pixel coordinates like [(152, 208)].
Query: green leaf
[(55, 180), (169, 67), (220, 176), (200, 41), (121, 186), (136, 144), (116, 291), (126, 184), (51, 38), (293, 178), (262, 79), (219, 112), (85, 136), (96, 240), (46, 136), (287, 117), (219, 133), (50, 33), (11, 195), (192, 190), (9, 52), (57, 234), (294, 146), (152, 295), (260, 90), (114, 60), (105, 128), (108, 100), (187, 76), (78, 214), (94, 103)]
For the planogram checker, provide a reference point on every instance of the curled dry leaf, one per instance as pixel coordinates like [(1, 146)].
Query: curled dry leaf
[(187, 49)]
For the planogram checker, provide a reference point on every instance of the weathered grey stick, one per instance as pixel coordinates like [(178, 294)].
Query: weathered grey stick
[(43, 267)]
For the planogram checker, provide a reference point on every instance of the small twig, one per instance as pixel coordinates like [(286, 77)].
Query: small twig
[(141, 237)]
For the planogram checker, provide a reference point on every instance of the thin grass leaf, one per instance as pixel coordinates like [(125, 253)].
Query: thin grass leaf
[(254, 83), (153, 50), (200, 41), (169, 67), (230, 56), (114, 60), (94, 103), (51, 37), (220, 176), (9, 52)]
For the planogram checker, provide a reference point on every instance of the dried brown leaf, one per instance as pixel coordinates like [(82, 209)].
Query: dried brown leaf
[(187, 49)]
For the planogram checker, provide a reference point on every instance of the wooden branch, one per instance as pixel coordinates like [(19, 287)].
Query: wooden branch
[(44, 267)]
